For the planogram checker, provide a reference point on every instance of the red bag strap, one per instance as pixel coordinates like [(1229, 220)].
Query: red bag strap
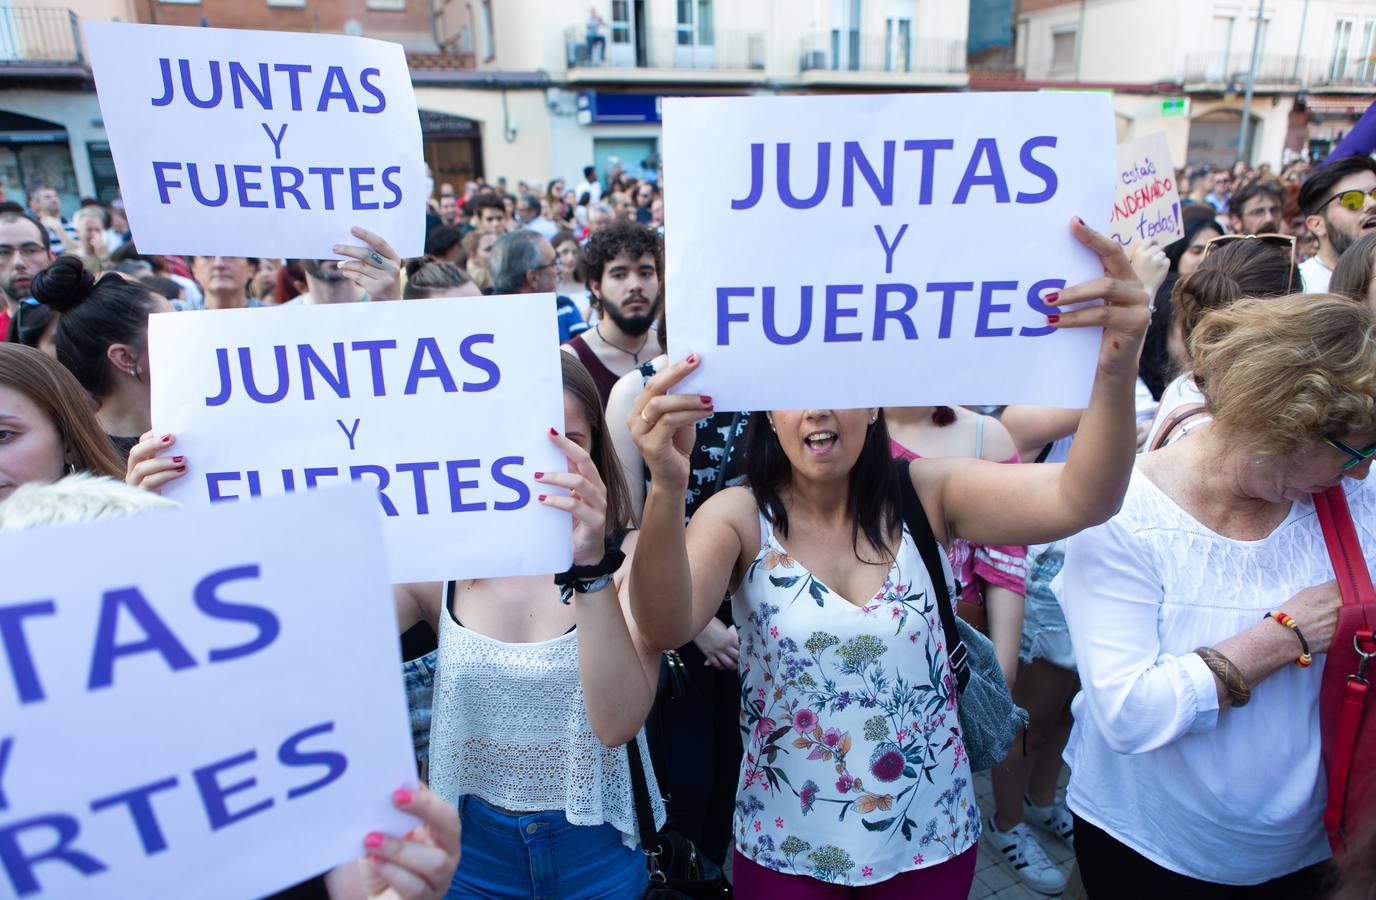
[(1354, 581), (1340, 535)]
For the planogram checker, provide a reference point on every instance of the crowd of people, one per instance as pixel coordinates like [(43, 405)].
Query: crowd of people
[(750, 630)]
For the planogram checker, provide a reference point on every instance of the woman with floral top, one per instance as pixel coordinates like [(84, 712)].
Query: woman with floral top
[(855, 778)]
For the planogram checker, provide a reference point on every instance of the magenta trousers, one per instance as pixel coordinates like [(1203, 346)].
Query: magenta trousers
[(950, 880)]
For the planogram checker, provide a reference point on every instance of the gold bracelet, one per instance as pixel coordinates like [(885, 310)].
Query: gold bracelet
[(1236, 687)]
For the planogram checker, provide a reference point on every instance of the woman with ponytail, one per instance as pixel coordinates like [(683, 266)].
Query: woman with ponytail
[(1231, 270), (102, 338)]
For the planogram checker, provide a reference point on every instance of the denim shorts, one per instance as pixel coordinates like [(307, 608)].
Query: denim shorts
[(1045, 634), (541, 856), (419, 677)]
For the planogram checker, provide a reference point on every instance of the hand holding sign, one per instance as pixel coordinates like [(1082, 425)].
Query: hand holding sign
[(420, 865), (586, 500), (663, 425), (376, 268), (1123, 315)]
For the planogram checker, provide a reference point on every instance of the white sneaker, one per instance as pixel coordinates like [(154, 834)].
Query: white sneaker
[(1053, 820), (1023, 857)]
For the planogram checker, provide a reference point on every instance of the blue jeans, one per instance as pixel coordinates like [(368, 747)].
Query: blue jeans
[(540, 855)]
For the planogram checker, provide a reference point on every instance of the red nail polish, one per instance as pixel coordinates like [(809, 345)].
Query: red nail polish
[(181, 468), (177, 459), (1052, 320), (1080, 221), (541, 498), (706, 400), (692, 358), (1053, 296), (167, 438), (539, 475), (374, 859), (554, 431), (401, 796), (373, 840)]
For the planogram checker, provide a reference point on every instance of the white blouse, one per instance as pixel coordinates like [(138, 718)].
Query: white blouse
[(1233, 796)]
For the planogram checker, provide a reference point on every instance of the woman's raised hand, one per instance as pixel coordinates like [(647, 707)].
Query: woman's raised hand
[(146, 469), (1125, 313), (586, 500), (376, 267), (664, 425)]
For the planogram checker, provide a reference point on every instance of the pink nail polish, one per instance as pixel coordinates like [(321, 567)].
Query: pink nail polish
[(178, 459), (374, 859), (401, 796), (373, 840)]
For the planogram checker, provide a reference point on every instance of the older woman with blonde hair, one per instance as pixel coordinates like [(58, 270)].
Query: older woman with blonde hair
[(1176, 790)]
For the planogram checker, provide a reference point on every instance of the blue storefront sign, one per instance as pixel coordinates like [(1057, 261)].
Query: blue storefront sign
[(600, 108)]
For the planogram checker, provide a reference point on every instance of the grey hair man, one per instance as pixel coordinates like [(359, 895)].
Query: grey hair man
[(523, 263)]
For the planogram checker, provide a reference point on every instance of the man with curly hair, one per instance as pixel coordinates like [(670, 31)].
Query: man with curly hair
[(623, 263)]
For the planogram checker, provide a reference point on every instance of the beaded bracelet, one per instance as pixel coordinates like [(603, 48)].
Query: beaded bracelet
[(1306, 658)]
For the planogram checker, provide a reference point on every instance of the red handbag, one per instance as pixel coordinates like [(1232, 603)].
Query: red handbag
[(1347, 712)]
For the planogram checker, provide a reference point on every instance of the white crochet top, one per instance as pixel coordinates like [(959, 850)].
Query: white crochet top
[(510, 727)]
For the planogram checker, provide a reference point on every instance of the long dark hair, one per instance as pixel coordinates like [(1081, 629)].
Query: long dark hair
[(579, 385), (872, 502)]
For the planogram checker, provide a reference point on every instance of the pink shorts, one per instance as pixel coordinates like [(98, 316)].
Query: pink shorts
[(950, 880)]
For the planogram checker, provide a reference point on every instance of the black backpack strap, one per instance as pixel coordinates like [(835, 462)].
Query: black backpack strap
[(915, 518), (640, 795)]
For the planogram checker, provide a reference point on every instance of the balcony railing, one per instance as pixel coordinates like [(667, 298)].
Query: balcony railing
[(1231, 69), (847, 51), (31, 34), (667, 49)]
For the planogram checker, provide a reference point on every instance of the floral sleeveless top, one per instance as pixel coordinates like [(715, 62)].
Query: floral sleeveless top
[(854, 767)]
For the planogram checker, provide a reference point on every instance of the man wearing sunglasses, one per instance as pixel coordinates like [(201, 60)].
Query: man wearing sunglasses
[(1339, 204)]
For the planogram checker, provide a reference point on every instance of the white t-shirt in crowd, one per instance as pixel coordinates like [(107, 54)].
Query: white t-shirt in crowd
[(592, 188), (1153, 760), (1180, 392), (1314, 276)]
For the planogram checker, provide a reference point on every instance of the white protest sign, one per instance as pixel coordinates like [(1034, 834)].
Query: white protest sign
[(259, 143), (1147, 205), (882, 250), (444, 405), (210, 705)]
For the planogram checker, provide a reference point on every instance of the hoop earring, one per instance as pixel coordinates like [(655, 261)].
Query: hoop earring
[(71, 468)]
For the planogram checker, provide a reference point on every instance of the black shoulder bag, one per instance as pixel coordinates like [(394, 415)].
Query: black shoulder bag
[(677, 870)]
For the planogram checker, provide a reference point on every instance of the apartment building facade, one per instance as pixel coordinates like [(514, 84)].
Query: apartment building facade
[(1181, 66)]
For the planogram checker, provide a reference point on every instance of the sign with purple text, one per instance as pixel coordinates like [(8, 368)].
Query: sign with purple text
[(210, 705), (845, 251), (444, 406), (1147, 205), (259, 143)]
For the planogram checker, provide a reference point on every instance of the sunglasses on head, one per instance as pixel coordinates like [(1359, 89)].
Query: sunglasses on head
[(1353, 200), (1284, 242), (1355, 457)]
